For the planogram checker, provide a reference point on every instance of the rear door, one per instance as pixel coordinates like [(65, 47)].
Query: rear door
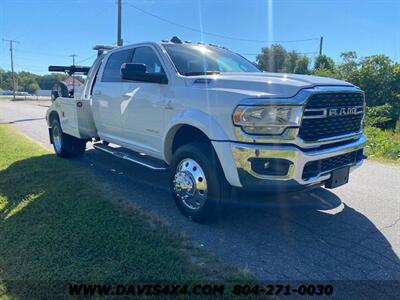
[(108, 94)]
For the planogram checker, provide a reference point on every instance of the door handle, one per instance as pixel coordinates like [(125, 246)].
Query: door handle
[(168, 105)]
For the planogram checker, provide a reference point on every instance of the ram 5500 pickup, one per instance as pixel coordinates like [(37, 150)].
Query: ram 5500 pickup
[(212, 119)]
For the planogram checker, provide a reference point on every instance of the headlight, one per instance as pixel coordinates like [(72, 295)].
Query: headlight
[(267, 119)]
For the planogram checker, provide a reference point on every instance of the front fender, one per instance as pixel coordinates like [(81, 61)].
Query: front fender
[(213, 130), (198, 119), (202, 121), (54, 107)]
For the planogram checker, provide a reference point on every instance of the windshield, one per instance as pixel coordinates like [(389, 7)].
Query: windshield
[(191, 60)]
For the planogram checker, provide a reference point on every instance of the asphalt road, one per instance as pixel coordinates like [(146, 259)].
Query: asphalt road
[(350, 233)]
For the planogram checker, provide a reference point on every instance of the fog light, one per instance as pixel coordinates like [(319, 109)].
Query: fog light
[(270, 166)]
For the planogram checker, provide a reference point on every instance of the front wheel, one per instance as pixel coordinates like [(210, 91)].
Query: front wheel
[(66, 145), (197, 182)]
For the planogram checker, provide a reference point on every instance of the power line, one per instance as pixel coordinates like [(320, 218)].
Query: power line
[(216, 34), (87, 58), (40, 53), (12, 64), (300, 53), (36, 68)]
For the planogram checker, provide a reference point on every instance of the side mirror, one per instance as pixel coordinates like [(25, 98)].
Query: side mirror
[(137, 72)]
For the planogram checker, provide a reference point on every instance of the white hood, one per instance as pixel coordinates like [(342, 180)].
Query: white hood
[(264, 84)]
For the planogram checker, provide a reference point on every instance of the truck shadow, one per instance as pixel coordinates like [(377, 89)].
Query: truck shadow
[(22, 120), (319, 238), (311, 235)]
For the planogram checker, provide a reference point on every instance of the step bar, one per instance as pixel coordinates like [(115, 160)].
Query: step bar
[(132, 156)]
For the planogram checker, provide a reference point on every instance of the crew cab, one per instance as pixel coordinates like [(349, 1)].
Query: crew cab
[(213, 120)]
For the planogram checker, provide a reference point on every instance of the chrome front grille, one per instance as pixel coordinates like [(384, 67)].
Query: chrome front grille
[(327, 115)]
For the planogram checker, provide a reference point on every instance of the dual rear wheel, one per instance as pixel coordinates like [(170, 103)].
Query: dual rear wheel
[(65, 145)]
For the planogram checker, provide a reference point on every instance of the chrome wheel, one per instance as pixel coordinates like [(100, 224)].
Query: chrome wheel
[(190, 184), (57, 138)]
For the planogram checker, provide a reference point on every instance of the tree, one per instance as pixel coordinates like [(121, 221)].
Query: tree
[(32, 87), (272, 59), (46, 82), (323, 62), (290, 61), (302, 64), (277, 59), (349, 64), (326, 73), (27, 82), (6, 80), (379, 116), (377, 75), (377, 78)]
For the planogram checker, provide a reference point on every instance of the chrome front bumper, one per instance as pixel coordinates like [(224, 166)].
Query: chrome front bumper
[(243, 153)]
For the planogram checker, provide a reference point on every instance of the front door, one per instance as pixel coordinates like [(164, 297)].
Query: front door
[(142, 107)]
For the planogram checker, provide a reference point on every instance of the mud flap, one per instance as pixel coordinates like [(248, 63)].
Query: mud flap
[(51, 135)]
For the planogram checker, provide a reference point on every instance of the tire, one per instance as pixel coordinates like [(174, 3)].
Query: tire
[(197, 182), (65, 145)]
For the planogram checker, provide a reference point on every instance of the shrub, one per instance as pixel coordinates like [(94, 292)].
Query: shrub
[(325, 73), (397, 129), (383, 143), (380, 116)]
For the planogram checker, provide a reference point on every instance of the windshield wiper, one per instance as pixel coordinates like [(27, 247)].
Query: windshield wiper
[(201, 73)]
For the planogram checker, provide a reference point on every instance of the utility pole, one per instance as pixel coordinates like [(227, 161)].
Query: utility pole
[(12, 64), (73, 58), (73, 77), (321, 41), (119, 40)]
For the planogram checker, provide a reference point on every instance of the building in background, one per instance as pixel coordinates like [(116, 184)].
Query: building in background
[(74, 85), (71, 82)]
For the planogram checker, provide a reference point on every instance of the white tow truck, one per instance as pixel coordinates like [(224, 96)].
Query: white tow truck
[(212, 119)]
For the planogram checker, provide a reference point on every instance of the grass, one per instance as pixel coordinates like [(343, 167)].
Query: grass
[(383, 145), (60, 223)]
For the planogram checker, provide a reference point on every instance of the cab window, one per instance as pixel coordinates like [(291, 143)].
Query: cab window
[(112, 70), (147, 56)]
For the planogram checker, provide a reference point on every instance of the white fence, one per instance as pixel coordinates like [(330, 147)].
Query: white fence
[(31, 98)]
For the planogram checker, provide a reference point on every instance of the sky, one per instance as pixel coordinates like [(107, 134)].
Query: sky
[(49, 31)]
